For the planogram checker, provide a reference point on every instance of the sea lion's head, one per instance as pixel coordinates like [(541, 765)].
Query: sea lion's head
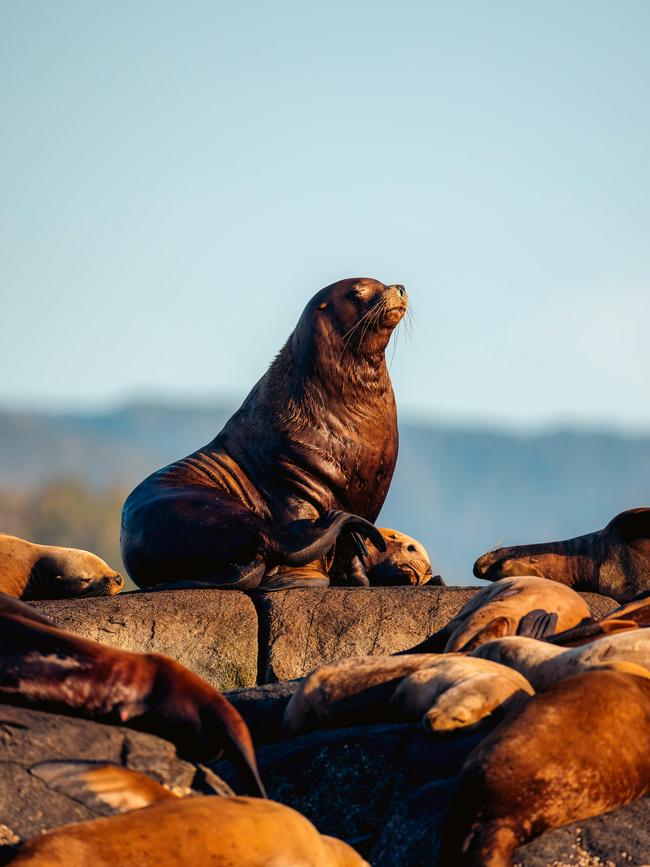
[(354, 316), (63, 573), (405, 562)]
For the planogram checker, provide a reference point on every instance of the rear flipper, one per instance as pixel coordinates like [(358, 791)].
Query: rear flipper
[(538, 624)]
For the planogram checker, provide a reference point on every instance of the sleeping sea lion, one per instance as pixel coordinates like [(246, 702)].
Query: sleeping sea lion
[(44, 667), (544, 664), (444, 692), (576, 751), (31, 571), (634, 614), (514, 606), (404, 562), (161, 830), (614, 561), (307, 458)]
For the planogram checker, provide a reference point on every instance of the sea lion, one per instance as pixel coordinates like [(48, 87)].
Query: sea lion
[(444, 692), (31, 571), (44, 667), (514, 606), (404, 562), (307, 460), (160, 830), (544, 664), (576, 751), (614, 561), (634, 614)]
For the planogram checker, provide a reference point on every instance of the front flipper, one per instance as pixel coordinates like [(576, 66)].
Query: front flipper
[(537, 624), (303, 541)]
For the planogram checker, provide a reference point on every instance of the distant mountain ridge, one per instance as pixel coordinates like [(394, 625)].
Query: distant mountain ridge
[(459, 490)]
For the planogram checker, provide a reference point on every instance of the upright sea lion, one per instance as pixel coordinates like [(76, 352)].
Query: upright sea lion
[(31, 571), (544, 664), (614, 561), (47, 668), (161, 830), (308, 456), (514, 606), (445, 692), (576, 751)]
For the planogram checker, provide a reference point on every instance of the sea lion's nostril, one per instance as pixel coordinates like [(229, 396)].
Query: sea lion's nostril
[(401, 290)]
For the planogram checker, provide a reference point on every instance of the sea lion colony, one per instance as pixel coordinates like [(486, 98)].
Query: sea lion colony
[(286, 496)]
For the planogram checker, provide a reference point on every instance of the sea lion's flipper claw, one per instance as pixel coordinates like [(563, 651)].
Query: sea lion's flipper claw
[(102, 787)]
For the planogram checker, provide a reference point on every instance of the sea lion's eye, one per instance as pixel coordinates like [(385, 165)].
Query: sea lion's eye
[(411, 548), (323, 306)]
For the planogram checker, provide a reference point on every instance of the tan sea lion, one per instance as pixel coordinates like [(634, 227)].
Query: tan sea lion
[(300, 470), (444, 692), (614, 561), (161, 830), (544, 664), (634, 614), (404, 562), (31, 571), (44, 667), (576, 751), (514, 606)]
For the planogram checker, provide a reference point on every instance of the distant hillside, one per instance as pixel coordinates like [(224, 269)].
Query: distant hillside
[(460, 491)]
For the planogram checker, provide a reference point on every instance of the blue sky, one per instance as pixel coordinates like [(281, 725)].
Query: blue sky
[(179, 178)]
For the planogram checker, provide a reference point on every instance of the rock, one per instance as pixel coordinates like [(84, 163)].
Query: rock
[(262, 708), (28, 806), (386, 789), (212, 632), (301, 629)]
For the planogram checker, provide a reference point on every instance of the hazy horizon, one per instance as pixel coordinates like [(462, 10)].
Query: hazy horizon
[(178, 181)]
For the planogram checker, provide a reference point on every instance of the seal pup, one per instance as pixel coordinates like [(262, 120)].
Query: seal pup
[(444, 692), (544, 664), (31, 571), (614, 561), (306, 462), (514, 606), (576, 751), (160, 829), (49, 669)]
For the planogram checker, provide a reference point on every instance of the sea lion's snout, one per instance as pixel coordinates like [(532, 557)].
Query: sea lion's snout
[(400, 290), (498, 564)]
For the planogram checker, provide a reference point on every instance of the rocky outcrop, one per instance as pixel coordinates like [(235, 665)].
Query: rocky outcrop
[(385, 789), (28, 805), (212, 632), (236, 640)]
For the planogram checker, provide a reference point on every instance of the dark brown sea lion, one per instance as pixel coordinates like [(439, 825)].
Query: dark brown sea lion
[(308, 456), (31, 571), (614, 561), (515, 606), (44, 667), (161, 830), (578, 750)]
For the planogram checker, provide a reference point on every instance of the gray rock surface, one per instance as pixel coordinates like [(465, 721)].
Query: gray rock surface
[(212, 632), (237, 640), (28, 806), (385, 789), (301, 629)]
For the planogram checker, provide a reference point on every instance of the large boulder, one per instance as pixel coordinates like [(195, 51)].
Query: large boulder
[(28, 806), (385, 789), (301, 629), (212, 632)]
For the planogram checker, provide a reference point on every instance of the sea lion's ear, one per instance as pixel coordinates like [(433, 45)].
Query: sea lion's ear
[(104, 788), (632, 525)]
